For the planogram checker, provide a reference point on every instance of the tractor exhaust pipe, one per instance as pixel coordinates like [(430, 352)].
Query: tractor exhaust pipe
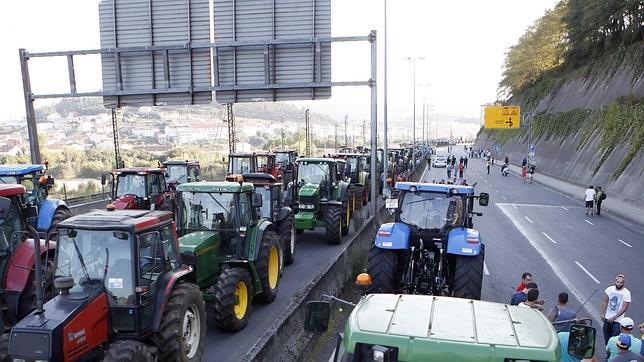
[(40, 292)]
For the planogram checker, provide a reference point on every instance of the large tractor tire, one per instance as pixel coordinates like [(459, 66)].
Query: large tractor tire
[(233, 297), (382, 268), (333, 234), (61, 214), (128, 351), (359, 199), (268, 266), (286, 230), (182, 333), (468, 276)]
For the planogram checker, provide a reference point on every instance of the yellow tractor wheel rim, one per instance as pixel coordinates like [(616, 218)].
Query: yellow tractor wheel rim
[(273, 267), (241, 294), (348, 215)]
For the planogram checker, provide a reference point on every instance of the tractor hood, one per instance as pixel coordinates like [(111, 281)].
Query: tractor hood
[(429, 328), (124, 202), (197, 241), (309, 190)]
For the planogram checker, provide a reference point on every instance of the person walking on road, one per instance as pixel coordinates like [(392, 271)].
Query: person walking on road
[(523, 173), (507, 159), (561, 312), (615, 303), (590, 199), (531, 172), (524, 162), (449, 170), (465, 160), (488, 167), (600, 196), (461, 166), (526, 278), (625, 328)]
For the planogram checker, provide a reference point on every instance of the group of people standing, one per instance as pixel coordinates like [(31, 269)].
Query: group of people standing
[(594, 198), (452, 167)]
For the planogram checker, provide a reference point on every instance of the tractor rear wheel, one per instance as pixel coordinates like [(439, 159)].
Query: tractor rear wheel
[(334, 223), (359, 192), (286, 230), (233, 299), (382, 266), (61, 214), (127, 351), (268, 266), (182, 333), (468, 276)]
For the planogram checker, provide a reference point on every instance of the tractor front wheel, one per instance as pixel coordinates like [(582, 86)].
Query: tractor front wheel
[(233, 299), (268, 266), (127, 351), (334, 224), (468, 276), (382, 266), (182, 333)]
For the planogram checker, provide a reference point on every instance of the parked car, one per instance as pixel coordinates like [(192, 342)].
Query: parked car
[(440, 161)]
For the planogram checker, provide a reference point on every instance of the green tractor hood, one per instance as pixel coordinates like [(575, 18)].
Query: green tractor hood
[(310, 190), (425, 328), (204, 246)]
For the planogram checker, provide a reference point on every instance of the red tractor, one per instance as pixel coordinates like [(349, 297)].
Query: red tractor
[(287, 167), (17, 258), (266, 164), (140, 188)]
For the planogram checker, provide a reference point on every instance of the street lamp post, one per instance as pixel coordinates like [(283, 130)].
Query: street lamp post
[(385, 157), (413, 59)]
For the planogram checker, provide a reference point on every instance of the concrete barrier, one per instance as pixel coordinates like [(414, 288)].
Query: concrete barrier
[(88, 206)]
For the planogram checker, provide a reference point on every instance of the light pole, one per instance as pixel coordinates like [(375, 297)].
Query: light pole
[(413, 146), (385, 157)]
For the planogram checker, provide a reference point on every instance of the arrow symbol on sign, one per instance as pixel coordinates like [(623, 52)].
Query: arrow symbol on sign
[(509, 122)]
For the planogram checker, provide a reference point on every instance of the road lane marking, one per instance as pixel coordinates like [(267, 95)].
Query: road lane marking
[(527, 218), (422, 177), (538, 205), (485, 269), (496, 190), (589, 222), (515, 206), (572, 288), (503, 197), (587, 272), (625, 243), (563, 207), (549, 238)]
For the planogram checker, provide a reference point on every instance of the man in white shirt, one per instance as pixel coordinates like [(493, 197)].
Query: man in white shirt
[(590, 199), (614, 305)]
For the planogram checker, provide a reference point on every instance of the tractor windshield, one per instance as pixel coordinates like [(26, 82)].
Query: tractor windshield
[(267, 201), (353, 164), (132, 184), (431, 210), (207, 211), (313, 173), (11, 230), (282, 158), (240, 165), (177, 173), (95, 248), (9, 180)]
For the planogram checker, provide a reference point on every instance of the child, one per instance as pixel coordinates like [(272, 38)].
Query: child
[(523, 173)]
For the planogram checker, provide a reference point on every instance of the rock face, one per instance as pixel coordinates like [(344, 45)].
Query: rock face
[(561, 156)]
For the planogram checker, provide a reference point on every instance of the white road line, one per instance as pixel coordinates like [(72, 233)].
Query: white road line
[(515, 206), (549, 238), (422, 177), (496, 190), (625, 243), (485, 269), (563, 207), (527, 218), (539, 205), (503, 197), (587, 272), (589, 222), (572, 287)]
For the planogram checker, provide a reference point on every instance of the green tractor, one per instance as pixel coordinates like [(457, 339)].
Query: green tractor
[(235, 253), (324, 198), (356, 172)]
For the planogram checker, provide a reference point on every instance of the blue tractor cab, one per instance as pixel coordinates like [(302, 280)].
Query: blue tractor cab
[(431, 247), (37, 184)]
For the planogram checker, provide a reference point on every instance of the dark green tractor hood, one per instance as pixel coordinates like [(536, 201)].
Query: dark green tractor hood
[(310, 190), (199, 242)]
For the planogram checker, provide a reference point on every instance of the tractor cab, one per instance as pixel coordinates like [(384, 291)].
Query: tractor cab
[(356, 172), (266, 163), (13, 223), (285, 158), (271, 192), (318, 172), (140, 188), (181, 171), (241, 163)]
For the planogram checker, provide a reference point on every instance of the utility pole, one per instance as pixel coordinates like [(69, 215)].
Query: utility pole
[(307, 135), (231, 128), (32, 127), (335, 139), (282, 123), (413, 59), (385, 159), (422, 137), (346, 130), (115, 135), (364, 132)]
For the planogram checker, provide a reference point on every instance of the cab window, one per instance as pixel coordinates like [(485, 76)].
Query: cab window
[(245, 209)]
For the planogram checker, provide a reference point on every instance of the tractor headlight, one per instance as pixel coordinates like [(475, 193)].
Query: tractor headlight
[(307, 207), (382, 354)]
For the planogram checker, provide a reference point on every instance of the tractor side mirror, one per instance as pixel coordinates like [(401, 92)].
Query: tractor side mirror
[(317, 316), (484, 199), (5, 204), (257, 200), (581, 342)]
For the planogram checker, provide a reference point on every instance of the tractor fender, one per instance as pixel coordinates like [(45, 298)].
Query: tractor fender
[(165, 285), (261, 229), (464, 241), (22, 262), (46, 212), (283, 213), (393, 236)]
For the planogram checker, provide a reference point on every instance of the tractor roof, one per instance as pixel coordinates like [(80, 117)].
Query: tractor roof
[(347, 154), (284, 151), (11, 190), (431, 328), (259, 178), (246, 154), (19, 170), (139, 170), (218, 186), (442, 188), (132, 220), (180, 162), (315, 159)]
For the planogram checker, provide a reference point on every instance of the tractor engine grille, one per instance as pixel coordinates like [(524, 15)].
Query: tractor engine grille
[(308, 200)]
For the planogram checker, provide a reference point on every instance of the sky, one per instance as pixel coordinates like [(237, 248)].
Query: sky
[(463, 43)]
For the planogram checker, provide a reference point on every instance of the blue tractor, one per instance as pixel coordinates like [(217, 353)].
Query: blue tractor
[(431, 248), (37, 183)]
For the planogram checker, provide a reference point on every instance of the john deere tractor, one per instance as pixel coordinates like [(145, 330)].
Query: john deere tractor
[(357, 174), (123, 294), (37, 184), (235, 253), (324, 198), (432, 247), (140, 188)]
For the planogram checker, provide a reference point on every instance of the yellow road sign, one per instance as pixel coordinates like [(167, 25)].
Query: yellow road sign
[(502, 117)]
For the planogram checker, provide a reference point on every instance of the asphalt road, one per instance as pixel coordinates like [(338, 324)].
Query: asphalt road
[(529, 227), (312, 254)]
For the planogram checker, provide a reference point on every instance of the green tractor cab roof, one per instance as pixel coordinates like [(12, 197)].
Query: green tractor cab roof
[(218, 186), (432, 328), (442, 188), (131, 220)]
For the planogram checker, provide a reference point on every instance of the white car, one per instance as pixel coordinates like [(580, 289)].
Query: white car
[(440, 161)]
